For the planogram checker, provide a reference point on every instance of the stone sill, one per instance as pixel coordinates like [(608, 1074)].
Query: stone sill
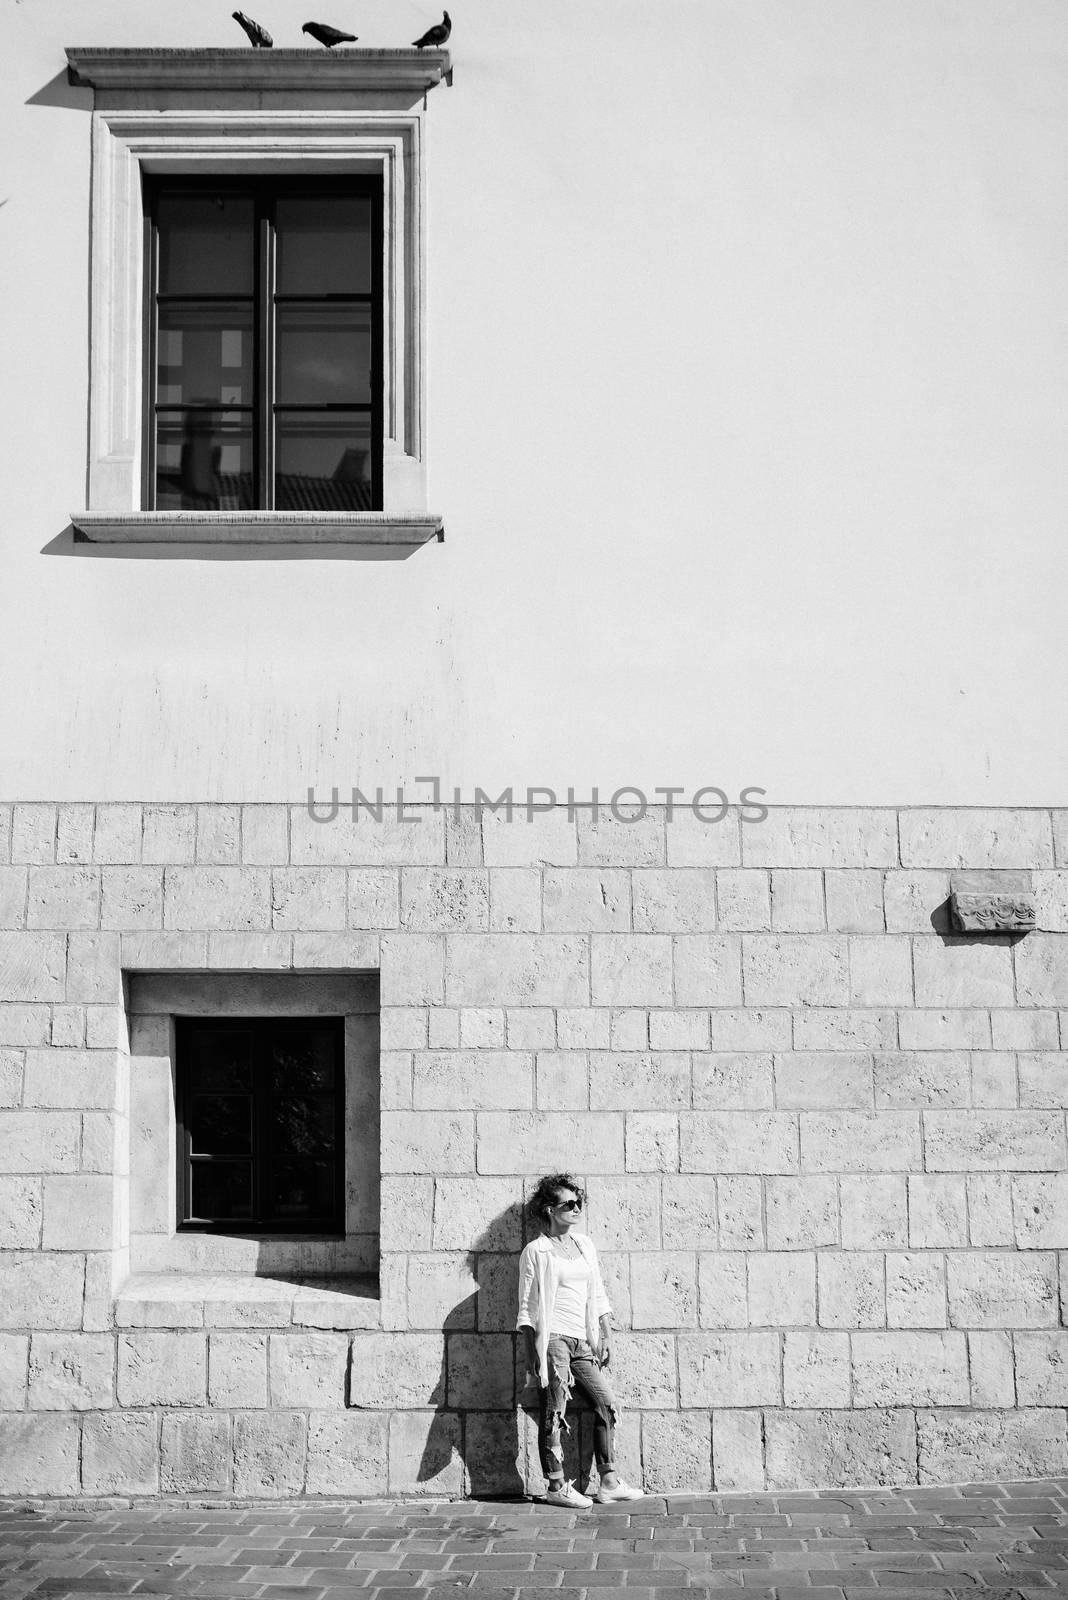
[(257, 527), (236, 1300), (311, 70)]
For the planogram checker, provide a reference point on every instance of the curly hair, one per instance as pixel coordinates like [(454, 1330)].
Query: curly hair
[(543, 1199)]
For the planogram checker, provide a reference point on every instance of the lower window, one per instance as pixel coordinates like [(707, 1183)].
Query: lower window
[(260, 1123)]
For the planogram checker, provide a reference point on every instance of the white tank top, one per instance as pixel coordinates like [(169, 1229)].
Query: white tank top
[(572, 1289)]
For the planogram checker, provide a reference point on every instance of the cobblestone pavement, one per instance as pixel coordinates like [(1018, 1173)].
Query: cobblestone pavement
[(1005, 1540)]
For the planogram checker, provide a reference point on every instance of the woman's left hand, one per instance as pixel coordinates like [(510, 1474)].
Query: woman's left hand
[(605, 1353)]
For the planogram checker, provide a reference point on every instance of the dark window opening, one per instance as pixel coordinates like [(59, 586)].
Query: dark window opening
[(264, 348), (261, 1118)]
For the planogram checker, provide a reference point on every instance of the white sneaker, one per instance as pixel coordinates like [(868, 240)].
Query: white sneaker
[(568, 1495), (621, 1491)]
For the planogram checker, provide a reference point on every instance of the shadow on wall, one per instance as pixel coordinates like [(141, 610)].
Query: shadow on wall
[(487, 1409)]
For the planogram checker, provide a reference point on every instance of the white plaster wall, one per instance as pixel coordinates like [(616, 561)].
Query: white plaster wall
[(747, 421)]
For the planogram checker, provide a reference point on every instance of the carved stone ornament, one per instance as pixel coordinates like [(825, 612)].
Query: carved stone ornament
[(993, 913)]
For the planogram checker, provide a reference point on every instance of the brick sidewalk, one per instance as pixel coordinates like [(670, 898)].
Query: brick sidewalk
[(992, 1542)]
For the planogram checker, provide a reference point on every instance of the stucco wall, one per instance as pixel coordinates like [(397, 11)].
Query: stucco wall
[(747, 374), (824, 1141)]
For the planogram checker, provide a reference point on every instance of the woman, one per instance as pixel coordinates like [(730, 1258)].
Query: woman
[(565, 1317)]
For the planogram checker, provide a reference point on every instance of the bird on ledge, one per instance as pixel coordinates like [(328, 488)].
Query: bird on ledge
[(260, 38), (328, 35), (437, 35)]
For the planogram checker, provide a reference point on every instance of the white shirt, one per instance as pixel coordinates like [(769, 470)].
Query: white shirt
[(573, 1277)]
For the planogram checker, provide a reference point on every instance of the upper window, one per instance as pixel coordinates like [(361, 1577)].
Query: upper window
[(264, 366), (260, 1122)]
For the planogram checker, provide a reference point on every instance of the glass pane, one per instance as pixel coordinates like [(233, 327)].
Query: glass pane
[(324, 462), (302, 1166), (323, 245), (204, 355), (302, 1189), (205, 244), (221, 1060), (204, 461), (220, 1125), (302, 1063), (324, 355), (221, 1190)]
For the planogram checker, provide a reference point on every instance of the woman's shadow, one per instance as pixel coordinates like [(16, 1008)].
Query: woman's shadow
[(487, 1412)]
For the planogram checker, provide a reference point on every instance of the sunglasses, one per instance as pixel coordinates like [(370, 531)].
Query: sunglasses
[(569, 1205)]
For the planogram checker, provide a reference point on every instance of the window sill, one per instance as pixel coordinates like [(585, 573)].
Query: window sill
[(236, 1300), (257, 527)]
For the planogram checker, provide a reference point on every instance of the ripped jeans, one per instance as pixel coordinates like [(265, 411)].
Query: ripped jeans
[(572, 1361)]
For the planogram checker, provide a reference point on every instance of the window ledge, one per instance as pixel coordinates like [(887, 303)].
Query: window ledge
[(235, 1300), (257, 527), (258, 71)]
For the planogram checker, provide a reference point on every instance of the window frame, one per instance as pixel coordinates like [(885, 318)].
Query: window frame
[(264, 191), (261, 1225)]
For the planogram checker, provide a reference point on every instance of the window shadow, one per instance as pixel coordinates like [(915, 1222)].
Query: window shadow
[(59, 91)]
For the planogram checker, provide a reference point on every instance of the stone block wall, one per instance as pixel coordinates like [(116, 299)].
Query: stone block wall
[(823, 1137)]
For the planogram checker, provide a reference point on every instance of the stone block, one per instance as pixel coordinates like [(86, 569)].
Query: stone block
[(976, 837), (162, 1369), (117, 834), (815, 1369), (729, 1369), (209, 898), (132, 897), (63, 897), (1043, 1078), (194, 1454), (445, 899), (120, 1453), (845, 1028), (482, 1028), (516, 900), (722, 1289), (32, 966), (13, 893), (41, 1291), (443, 1291), (795, 969), (1042, 1368), (168, 835), (66, 1079), (502, 969), (348, 1453), (990, 1364), (989, 1209), (79, 1212), (708, 973), (1042, 970), (11, 1065), (426, 1141), (481, 1371), (993, 1079), (264, 835), (852, 1290), (854, 899), (813, 1079), (25, 1026), (959, 1141), (663, 1288), (624, 1212), (735, 1141), (72, 1372), (874, 1211), (218, 835), (68, 1027), (74, 833), (422, 1454), (396, 1370), (802, 1213), (548, 837), (14, 1361), (797, 900), (562, 1080), (269, 1453), (407, 1211), (782, 1290), (33, 832), (743, 900), (915, 1290), (729, 1081), (880, 970), (631, 970), (741, 1216), (689, 1213), (93, 967), (937, 1212), (586, 901), (944, 1030), (629, 1028), (541, 1141), (39, 1141), (1002, 1289), (1024, 1030), (700, 840), (494, 1306), (824, 836), (475, 1214), (308, 898), (958, 971), (632, 1081), (583, 1028), (857, 1141), (373, 897), (627, 840), (678, 1030), (501, 1455), (738, 1451), (839, 1449), (1051, 901), (990, 1446), (667, 900), (449, 1080), (237, 1369), (642, 1371), (907, 1078), (749, 1030), (40, 1454), (652, 1141), (916, 902), (308, 1370), (532, 1028), (676, 1452), (1040, 1210)]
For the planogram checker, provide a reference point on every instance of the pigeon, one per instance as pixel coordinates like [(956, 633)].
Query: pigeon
[(437, 35), (327, 35), (261, 39)]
